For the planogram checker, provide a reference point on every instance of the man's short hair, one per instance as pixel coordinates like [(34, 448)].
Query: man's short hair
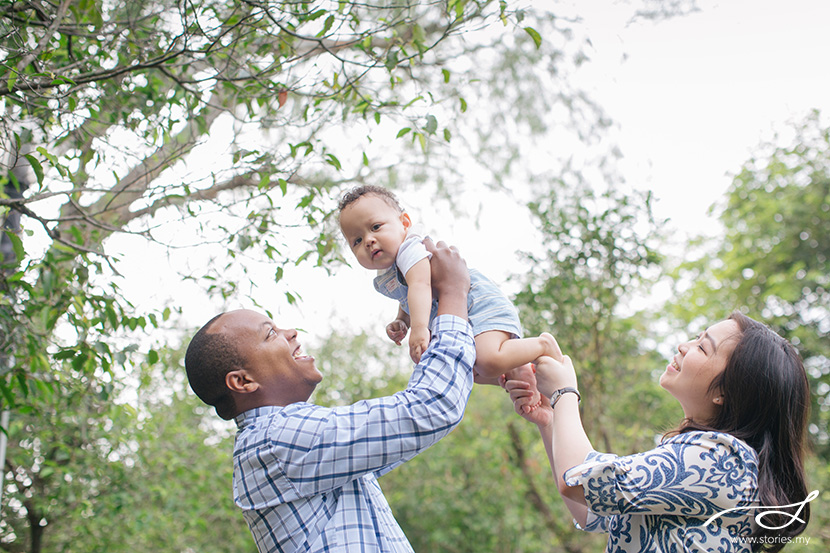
[(209, 358), (357, 192)]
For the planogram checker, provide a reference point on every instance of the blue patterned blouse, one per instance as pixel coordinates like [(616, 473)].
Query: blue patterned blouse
[(659, 501)]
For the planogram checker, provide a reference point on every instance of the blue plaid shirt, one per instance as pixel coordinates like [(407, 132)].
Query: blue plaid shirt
[(305, 476)]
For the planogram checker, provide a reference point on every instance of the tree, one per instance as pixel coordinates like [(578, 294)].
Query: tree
[(478, 489), (61, 460), (106, 107), (92, 474), (771, 262), (772, 259), (109, 104), (599, 252)]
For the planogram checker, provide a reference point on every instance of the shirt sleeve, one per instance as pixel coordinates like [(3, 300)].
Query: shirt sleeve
[(412, 250), (322, 449), (695, 474)]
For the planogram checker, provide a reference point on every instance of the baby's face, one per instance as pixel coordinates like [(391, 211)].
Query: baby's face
[(374, 231)]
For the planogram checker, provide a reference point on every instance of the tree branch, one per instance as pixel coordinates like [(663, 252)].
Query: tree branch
[(44, 40), (532, 493)]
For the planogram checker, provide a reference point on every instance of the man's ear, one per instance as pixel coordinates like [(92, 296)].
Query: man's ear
[(405, 220), (240, 381)]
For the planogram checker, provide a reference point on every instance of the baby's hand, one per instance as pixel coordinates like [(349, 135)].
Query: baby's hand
[(396, 330), (418, 342)]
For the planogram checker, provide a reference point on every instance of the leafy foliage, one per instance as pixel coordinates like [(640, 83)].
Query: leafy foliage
[(224, 129), (229, 126), (94, 475), (599, 251), (772, 260)]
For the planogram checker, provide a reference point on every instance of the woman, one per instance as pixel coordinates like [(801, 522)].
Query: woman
[(722, 479)]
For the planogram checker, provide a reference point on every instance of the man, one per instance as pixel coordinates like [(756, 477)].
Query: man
[(304, 475)]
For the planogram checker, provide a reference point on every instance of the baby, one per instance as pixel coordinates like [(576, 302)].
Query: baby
[(381, 236)]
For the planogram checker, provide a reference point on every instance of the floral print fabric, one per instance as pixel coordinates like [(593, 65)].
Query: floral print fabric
[(660, 501)]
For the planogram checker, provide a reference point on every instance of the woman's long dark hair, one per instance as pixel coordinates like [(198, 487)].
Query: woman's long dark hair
[(766, 401)]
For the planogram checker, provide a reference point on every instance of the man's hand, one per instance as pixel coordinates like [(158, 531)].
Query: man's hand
[(450, 278), (396, 330)]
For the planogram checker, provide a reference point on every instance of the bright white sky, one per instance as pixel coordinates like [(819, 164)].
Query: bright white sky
[(692, 97)]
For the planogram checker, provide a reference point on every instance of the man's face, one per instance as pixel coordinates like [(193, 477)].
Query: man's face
[(272, 355)]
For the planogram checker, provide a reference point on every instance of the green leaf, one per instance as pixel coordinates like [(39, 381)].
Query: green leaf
[(316, 15), (463, 104), (446, 74), (11, 80), (264, 181), (152, 357), (61, 79), (17, 245), (534, 34), (333, 161), (403, 131), (64, 354), (432, 124), (391, 60), (327, 25), (36, 167)]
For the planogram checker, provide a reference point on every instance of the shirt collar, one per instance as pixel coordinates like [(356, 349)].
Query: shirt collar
[(245, 419)]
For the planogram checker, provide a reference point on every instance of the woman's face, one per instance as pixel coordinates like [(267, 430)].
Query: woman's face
[(696, 364)]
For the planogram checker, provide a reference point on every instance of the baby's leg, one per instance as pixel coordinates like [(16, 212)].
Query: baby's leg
[(497, 354)]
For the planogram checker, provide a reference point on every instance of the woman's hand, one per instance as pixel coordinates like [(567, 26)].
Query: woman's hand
[(552, 374)]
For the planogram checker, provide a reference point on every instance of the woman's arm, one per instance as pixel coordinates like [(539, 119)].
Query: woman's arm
[(565, 440)]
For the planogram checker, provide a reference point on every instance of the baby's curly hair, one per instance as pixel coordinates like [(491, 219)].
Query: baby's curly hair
[(354, 194)]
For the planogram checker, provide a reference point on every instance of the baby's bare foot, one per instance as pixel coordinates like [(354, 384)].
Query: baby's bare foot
[(526, 373), (550, 346)]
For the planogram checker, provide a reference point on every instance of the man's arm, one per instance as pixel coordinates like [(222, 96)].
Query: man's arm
[(449, 277), (321, 449)]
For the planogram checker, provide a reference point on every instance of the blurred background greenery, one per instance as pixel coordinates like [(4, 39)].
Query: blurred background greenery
[(107, 109)]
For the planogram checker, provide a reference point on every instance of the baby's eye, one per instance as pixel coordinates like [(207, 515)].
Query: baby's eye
[(356, 242), (376, 226)]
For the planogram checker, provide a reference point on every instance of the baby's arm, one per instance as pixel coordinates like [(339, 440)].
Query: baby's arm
[(420, 304), (396, 330)]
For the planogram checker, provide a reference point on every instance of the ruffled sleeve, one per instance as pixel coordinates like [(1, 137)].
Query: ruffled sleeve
[(694, 475)]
